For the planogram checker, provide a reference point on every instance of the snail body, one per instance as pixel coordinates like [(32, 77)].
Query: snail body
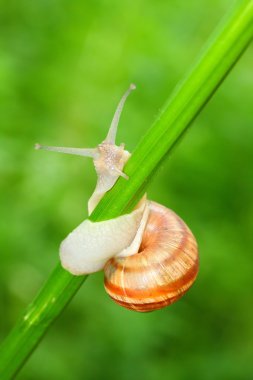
[(149, 257)]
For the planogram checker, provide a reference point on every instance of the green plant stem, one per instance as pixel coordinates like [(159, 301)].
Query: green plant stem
[(220, 54)]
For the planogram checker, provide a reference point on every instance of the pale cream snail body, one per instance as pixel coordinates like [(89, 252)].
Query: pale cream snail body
[(149, 257)]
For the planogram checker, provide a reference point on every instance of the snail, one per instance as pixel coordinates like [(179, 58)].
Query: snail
[(149, 256)]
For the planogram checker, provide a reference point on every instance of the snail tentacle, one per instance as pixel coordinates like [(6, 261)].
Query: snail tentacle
[(111, 135)]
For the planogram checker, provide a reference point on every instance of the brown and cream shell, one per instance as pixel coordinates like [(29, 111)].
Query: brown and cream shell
[(162, 271)]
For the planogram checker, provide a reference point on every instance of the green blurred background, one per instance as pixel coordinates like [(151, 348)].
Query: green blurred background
[(63, 68)]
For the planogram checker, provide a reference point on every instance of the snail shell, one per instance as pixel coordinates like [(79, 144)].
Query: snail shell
[(162, 271)]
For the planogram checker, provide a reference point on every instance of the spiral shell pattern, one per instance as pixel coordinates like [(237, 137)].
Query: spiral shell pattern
[(162, 271)]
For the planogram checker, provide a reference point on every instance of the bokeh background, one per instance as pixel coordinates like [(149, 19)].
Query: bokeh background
[(63, 68)]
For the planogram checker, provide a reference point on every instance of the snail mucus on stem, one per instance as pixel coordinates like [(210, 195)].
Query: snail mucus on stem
[(149, 257)]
